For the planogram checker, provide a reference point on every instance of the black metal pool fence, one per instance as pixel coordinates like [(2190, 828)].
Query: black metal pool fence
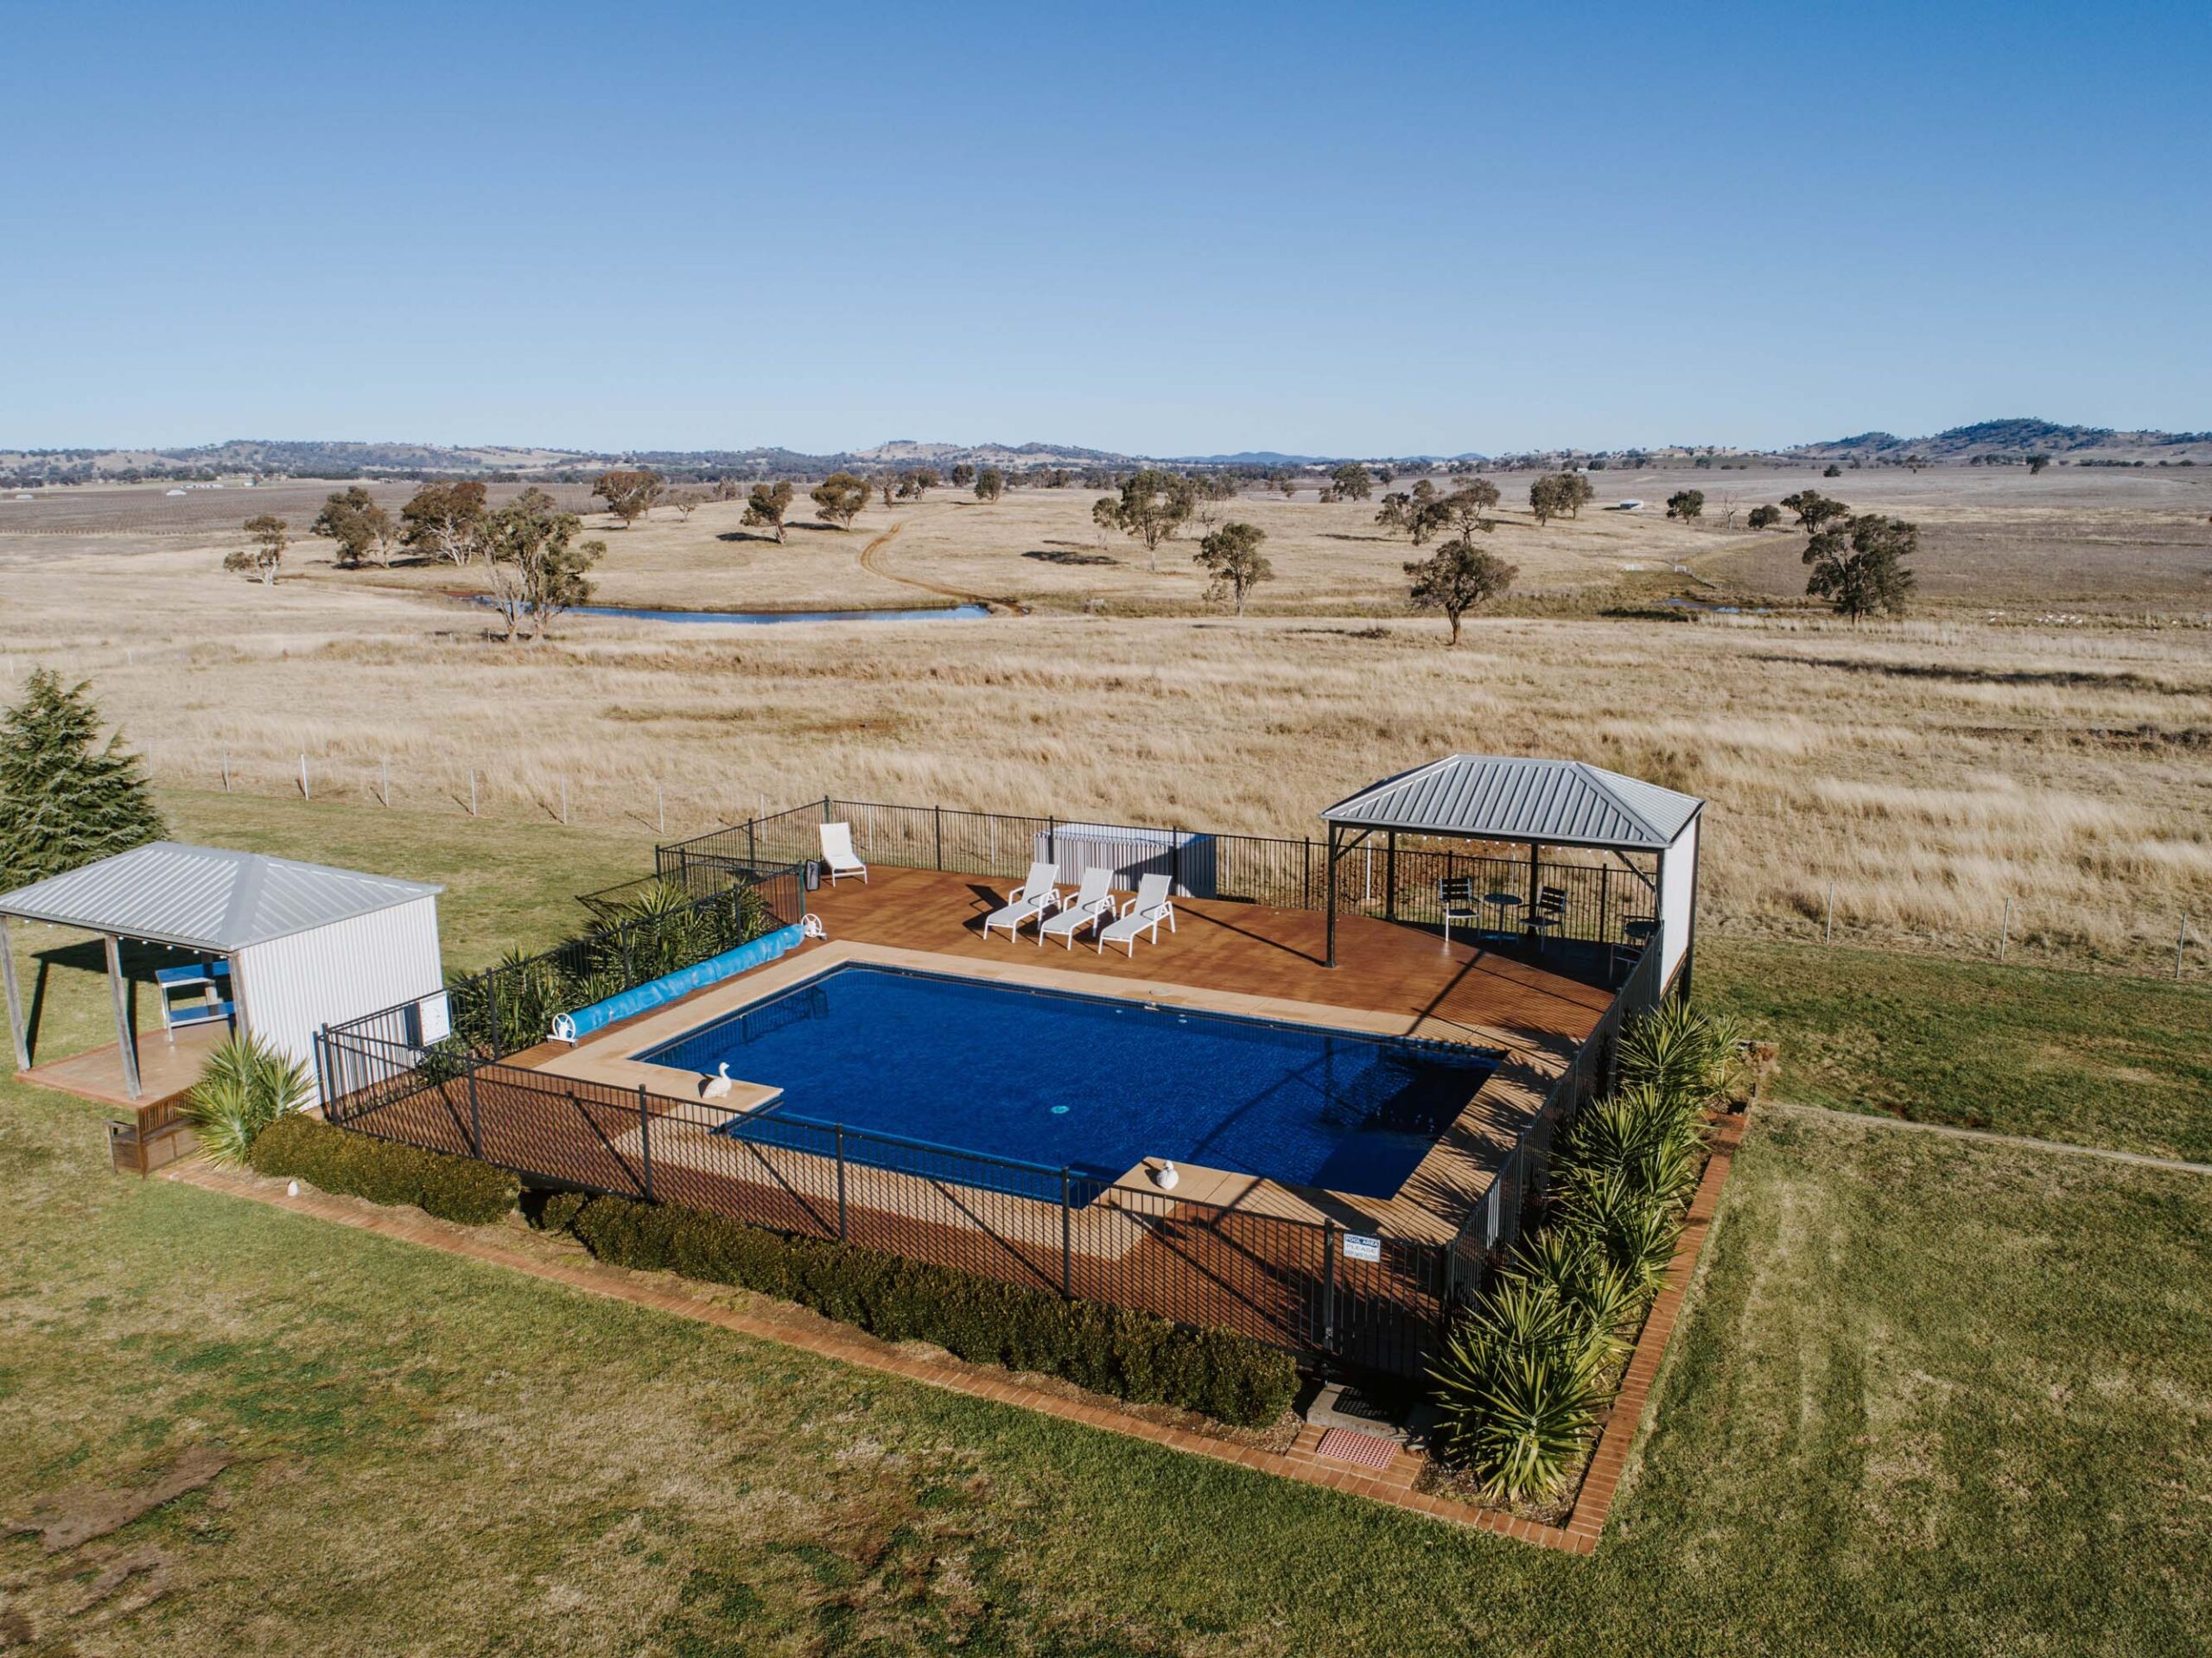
[(1331, 1294), (1598, 900)]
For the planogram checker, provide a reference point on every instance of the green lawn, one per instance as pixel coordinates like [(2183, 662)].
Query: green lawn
[(1932, 1395), (2120, 1062)]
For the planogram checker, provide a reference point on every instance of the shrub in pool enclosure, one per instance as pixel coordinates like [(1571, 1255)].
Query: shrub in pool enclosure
[(660, 931), (1113, 1350)]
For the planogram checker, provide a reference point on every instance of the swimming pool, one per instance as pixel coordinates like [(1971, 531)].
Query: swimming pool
[(1092, 1083)]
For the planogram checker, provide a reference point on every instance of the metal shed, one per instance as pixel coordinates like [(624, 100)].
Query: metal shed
[(1539, 803), (307, 945)]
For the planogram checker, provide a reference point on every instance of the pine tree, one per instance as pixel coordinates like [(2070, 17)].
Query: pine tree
[(65, 798)]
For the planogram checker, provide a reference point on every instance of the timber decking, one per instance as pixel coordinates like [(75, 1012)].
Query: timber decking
[(168, 1066)]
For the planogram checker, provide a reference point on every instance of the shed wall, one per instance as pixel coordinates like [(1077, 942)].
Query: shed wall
[(292, 986), (1677, 892)]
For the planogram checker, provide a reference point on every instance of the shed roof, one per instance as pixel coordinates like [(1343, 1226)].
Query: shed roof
[(205, 897), (1489, 796)]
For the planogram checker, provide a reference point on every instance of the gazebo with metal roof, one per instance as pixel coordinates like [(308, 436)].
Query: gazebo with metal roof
[(1536, 803), (305, 944)]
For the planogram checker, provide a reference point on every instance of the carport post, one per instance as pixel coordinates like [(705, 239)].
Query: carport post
[(15, 1001), (126, 1039)]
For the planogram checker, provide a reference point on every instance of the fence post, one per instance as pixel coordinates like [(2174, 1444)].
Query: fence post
[(227, 771), (1827, 932), (471, 791), (1306, 879), (1067, 1238), (752, 841), (645, 1139), (2004, 932), (307, 792), (841, 1183), (564, 799), (1328, 1287), (938, 813), (1052, 837), (2181, 944), (475, 1118), (1175, 860), (383, 774)]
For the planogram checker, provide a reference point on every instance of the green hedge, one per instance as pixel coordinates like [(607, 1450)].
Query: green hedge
[(1113, 1351), (336, 1159)]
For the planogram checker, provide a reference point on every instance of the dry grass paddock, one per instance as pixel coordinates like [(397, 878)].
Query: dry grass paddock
[(1928, 770)]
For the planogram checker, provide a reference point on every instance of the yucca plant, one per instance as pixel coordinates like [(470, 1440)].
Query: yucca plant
[(247, 1085), (1648, 1136), (1566, 1262), (1679, 1049), (1632, 1228), (1520, 1386)]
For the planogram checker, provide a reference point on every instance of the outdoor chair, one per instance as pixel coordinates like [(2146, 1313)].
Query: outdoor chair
[(837, 852), (1091, 906), (1142, 914), (1455, 898), (1548, 914), (1036, 897)]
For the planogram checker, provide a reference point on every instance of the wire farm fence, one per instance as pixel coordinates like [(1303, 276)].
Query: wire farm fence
[(1376, 1303), (1599, 899)]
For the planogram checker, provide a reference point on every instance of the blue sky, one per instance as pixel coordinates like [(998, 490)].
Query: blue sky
[(1162, 230)]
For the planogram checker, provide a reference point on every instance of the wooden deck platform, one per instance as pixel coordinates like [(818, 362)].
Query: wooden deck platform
[(168, 1066)]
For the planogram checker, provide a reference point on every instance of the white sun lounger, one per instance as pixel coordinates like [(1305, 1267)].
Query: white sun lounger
[(1090, 907), (1034, 898), (1142, 914), (837, 852)]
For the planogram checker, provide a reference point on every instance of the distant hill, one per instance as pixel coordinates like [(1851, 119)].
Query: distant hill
[(1986, 442), (2015, 440)]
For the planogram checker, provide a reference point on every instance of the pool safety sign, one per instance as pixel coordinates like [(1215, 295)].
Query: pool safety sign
[(1359, 1247)]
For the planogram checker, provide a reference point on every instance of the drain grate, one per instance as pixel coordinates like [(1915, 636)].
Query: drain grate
[(1350, 1445)]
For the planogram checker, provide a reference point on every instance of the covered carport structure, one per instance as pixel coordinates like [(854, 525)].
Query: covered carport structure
[(305, 945), (1649, 831)]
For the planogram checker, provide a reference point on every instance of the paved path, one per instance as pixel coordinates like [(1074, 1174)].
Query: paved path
[(2024, 1143)]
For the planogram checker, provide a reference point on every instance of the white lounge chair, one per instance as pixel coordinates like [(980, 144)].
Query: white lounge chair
[(837, 852), (1142, 914), (1091, 906), (1034, 898)]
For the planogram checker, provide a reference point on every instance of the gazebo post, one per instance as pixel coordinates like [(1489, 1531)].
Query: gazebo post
[(1535, 878), (15, 1001), (126, 1038), (1391, 876), (1333, 838)]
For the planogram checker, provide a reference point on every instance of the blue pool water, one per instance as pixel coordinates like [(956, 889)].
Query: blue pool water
[(1095, 1083)]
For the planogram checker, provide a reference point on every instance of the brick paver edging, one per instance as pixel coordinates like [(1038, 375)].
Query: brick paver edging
[(1393, 1486)]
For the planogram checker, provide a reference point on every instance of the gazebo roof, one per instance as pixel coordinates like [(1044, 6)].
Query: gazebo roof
[(1494, 797), (205, 897)]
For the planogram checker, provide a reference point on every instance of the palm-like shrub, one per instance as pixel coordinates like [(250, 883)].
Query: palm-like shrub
[(1521, 1383), (1649, 1137), (1632, 1228), (247, 1085), (1565, 1263), (1678, 1050)]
